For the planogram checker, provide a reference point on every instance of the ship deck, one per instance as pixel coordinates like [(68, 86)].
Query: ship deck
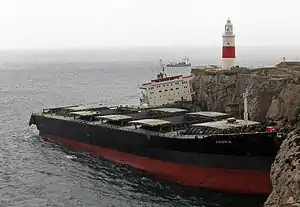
[(133, 128), (146, 120)]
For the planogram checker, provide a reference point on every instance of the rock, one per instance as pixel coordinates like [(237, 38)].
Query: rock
[(270, 96), (274, 108), (274, 94), (285, 175)]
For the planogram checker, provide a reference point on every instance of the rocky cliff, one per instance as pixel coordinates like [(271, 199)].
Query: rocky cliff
[(274, 94), (285, 175)]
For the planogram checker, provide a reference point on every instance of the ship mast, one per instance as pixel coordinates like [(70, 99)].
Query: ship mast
[(162, 67), (245, 105)]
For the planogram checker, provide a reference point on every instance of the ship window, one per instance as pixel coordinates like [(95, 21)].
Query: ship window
[(164, 85), (177, 88), (171, 84), (171, 89), (160, 91), (166, 90)]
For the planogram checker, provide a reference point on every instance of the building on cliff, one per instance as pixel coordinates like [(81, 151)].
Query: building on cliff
[(289, 64)]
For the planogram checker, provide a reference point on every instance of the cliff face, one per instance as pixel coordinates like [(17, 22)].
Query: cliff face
[(285, 175), (274, 94)]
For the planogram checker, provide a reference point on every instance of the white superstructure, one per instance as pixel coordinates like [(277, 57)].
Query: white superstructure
[(166, 89)]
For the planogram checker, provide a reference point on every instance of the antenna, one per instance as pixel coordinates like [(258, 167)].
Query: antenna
[(245, 105)]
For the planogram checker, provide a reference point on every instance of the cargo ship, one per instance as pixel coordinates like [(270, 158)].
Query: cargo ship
[(195, 148), (184, 63)]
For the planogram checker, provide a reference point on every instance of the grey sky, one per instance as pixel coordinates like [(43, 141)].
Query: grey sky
[(59, 24)]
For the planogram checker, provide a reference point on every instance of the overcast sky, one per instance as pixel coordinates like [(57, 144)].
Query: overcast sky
[(62, 24)]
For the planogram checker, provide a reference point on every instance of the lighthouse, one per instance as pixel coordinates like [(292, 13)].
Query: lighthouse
[(228, 50)]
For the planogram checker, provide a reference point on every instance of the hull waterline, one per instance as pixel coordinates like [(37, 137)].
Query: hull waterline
[(219, 179)]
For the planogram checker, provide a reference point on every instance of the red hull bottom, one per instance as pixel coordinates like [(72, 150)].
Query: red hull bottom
[(224, 180)]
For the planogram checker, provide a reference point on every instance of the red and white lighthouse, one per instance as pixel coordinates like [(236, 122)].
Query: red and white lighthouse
[(228, 52)]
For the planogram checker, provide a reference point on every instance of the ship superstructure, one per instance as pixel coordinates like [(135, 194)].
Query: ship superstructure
[(184, 63), (166, 89)]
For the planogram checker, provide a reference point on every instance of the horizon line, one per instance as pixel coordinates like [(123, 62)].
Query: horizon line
[(136, 47)]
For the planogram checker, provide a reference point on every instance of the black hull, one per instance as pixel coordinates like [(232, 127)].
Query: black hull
[(253, 144), (184, 153)]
